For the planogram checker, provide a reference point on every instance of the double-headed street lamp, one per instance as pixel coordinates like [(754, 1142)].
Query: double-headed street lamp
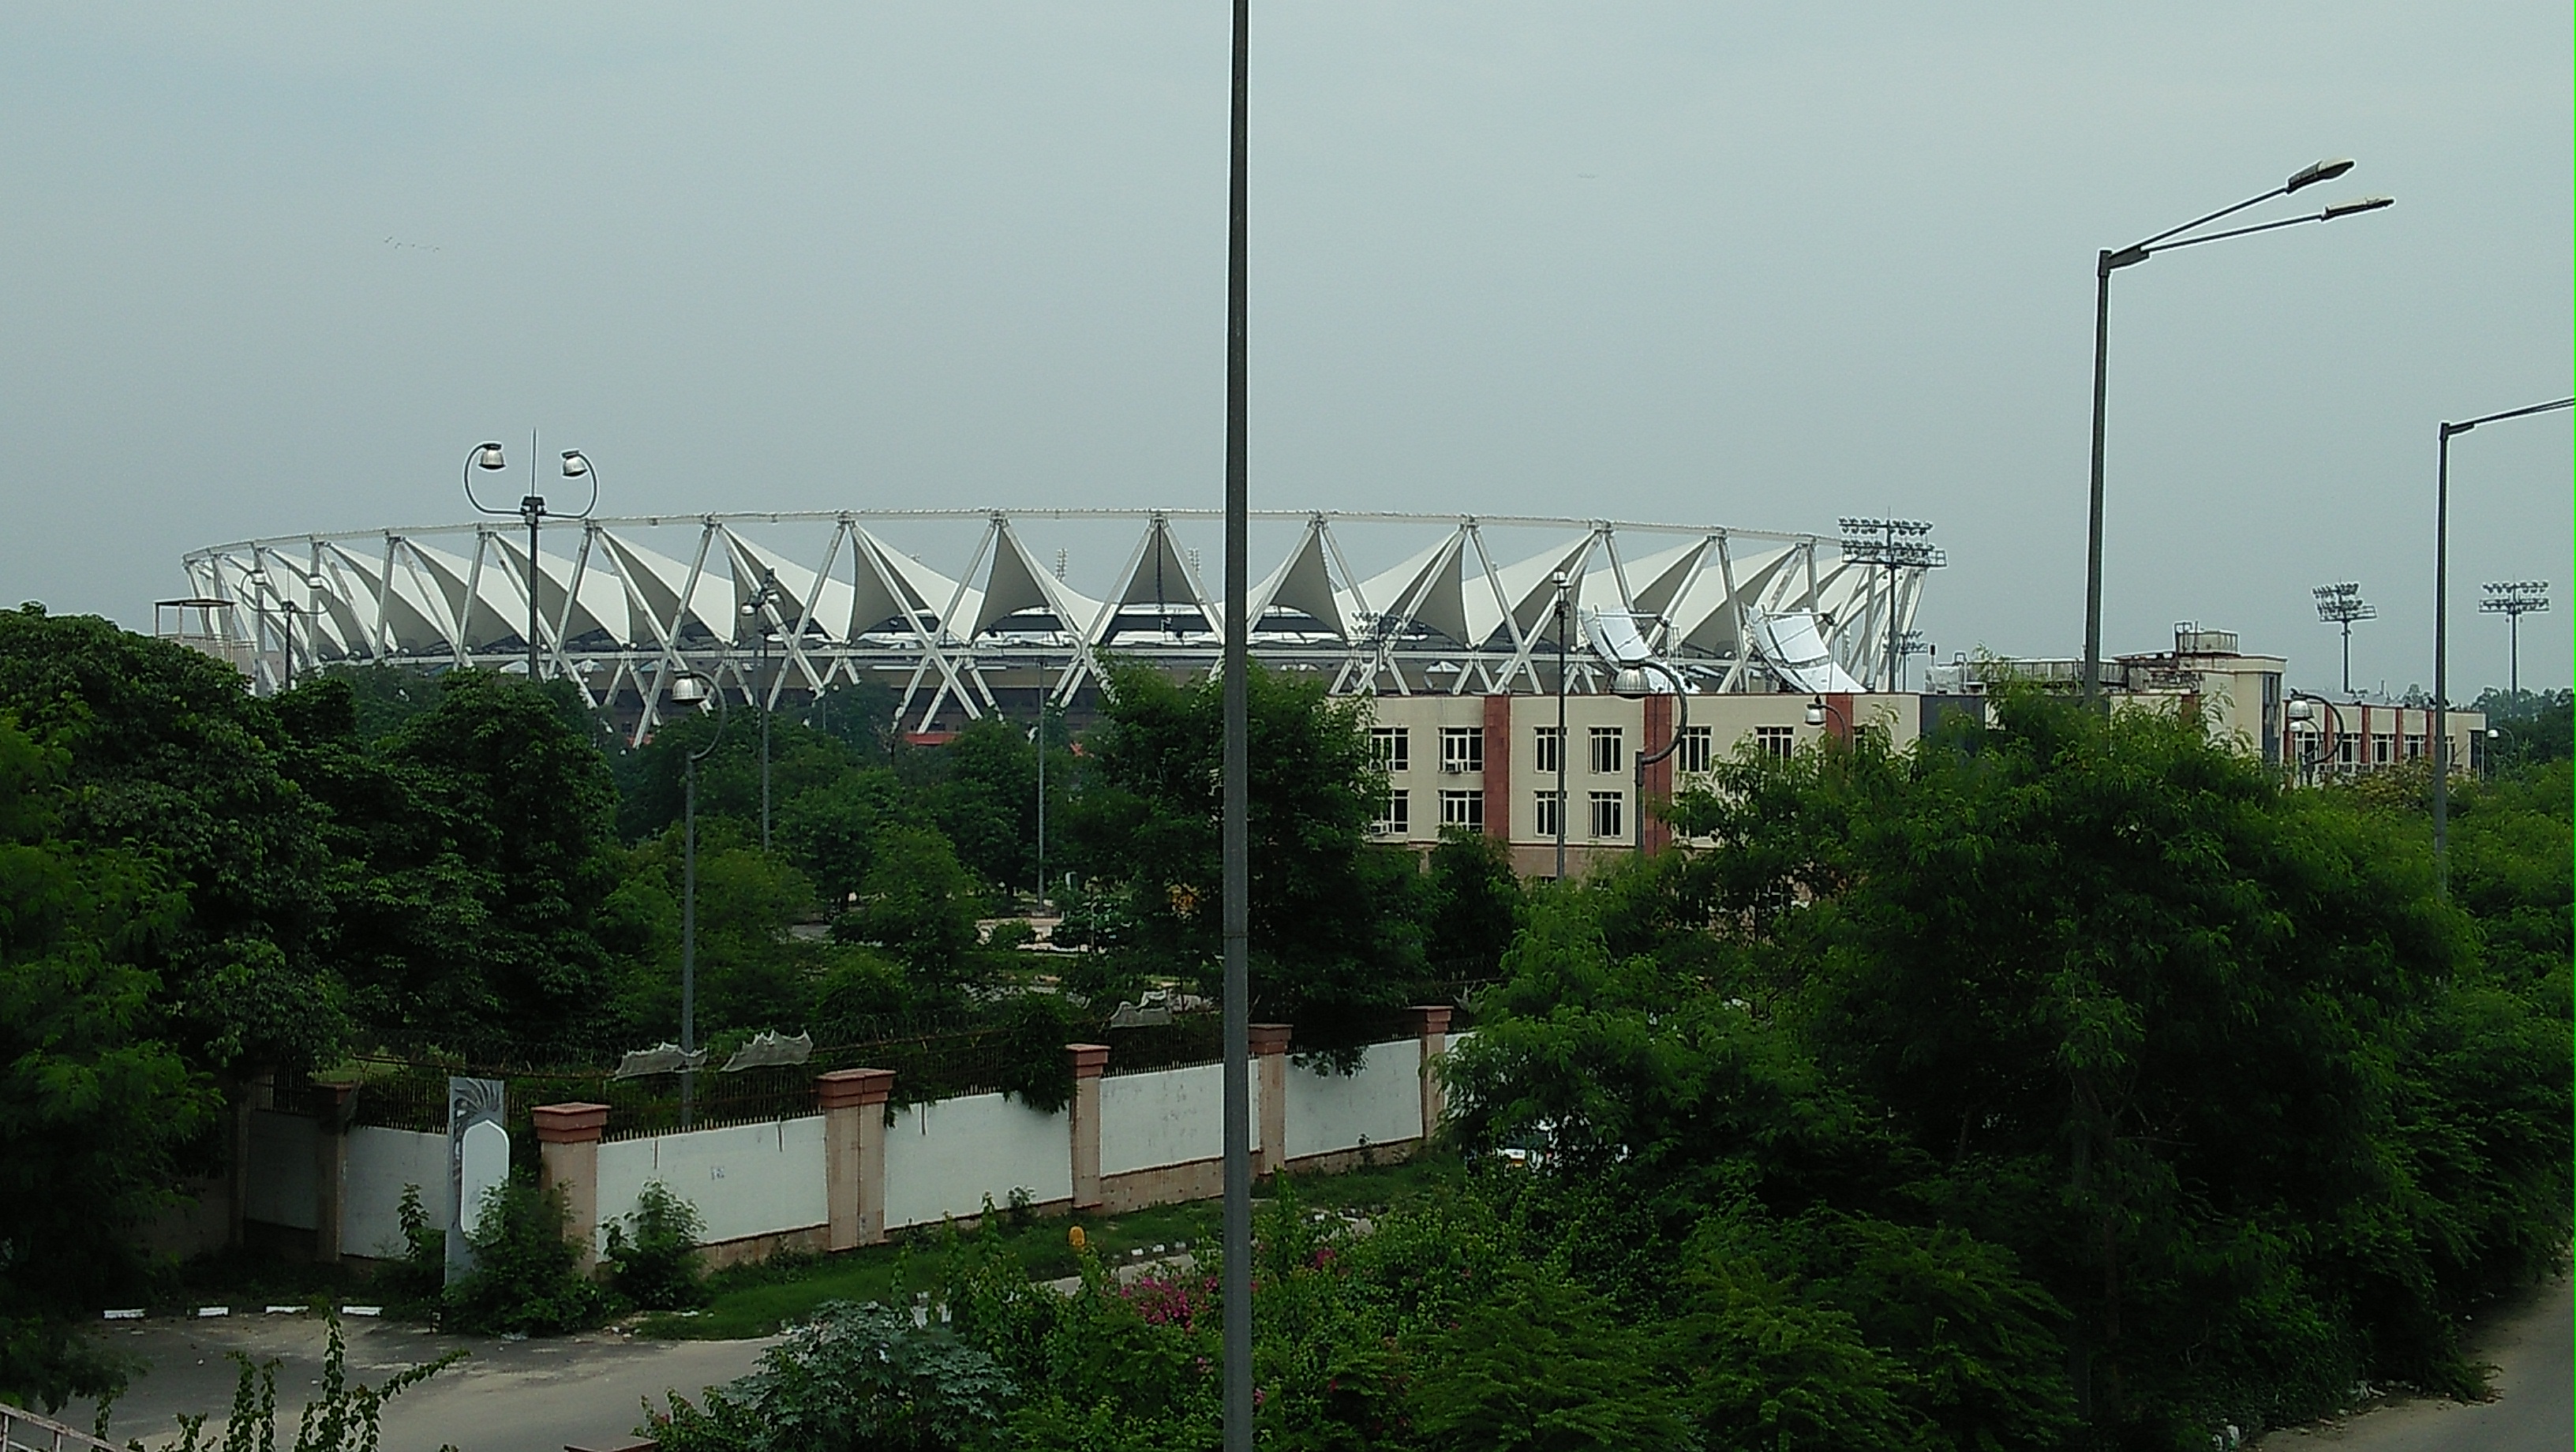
[(532, 509), (691, 689), (2112, 261), (2442, 628)]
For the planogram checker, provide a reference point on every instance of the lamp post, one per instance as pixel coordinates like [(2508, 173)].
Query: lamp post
[(1237, 824), (1043, 703), (1681, 727), (532, 510), (2514, 599), (1559, 580), (761, 611), (2303, 707), (2442, 629), (691, 689), (2342, 605), (2112, 261), (287, 610), (1818, 708)]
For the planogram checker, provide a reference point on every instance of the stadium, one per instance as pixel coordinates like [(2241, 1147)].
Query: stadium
[(965, 612)]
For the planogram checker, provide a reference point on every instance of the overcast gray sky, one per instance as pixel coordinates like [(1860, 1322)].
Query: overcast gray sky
[(272, 268)]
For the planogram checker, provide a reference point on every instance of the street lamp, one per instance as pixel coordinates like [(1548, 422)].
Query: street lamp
[(1817, 709), (2442, 629), (2342, 605), (2112, 261), (1559, 580), (258, 579), (689, 688), (532, 509), (2303, 707), (761, 609), (2514, 599)]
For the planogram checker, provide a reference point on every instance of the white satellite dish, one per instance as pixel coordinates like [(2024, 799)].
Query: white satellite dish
[(1613, 636)]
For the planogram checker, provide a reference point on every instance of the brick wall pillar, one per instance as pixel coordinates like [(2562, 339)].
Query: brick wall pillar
[(853, 1102), (1269, 1044), (1089, 1060), (1498, 768), (1431, 1025), (1654, 834), (568, 1157), (333, 1105)]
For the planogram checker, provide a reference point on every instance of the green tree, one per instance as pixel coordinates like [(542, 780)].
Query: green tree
[(1335, 919), (919, 904), (94, 1110), (167, 756)]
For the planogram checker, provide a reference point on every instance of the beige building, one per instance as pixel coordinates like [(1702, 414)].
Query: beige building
[(1490, 763)]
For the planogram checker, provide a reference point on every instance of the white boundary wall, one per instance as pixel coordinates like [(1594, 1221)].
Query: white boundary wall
[(942, 1159), (747, 1180), (1380, 1104), (1167, 1117), (381, 1162)]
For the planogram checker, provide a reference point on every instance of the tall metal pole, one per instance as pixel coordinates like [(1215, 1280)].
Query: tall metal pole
[(534, 507), (2093, 531), (1560, 730), (1042, 749), (689, 946), (1238, 876), (760, 672), (2442, 630), (2442, 661)]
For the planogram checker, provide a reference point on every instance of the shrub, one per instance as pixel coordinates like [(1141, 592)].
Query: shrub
[(412, 1282), (656, 1267), (854, 1377), (525, 1279)]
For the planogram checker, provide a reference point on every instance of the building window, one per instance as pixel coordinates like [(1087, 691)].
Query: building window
[(1545, 758), (2477, 753), (1776, 741), (2347, 747), (1547, 814), (1606, 816), (2383, 746), (1392, 746), (1697, 747), (1462, 748), (1463, 809), (1608, 751), (1395, 815), (2414, 746)]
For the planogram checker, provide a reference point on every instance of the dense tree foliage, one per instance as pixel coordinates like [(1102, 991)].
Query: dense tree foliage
[(1336, 926), (94, 1108)]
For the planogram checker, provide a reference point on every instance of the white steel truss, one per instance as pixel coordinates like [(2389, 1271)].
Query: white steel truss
[(625, 604)]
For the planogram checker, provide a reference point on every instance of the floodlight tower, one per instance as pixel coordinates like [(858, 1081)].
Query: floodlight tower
[(1893, 545), (2342, 605), (2514, 599)]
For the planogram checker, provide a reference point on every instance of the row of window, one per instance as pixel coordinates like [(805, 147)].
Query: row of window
[(2383, 747), (1462, 748), (1467, 809)]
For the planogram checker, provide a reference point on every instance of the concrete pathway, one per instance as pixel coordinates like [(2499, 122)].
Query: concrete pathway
[(508, 1396), (2528, 1345)]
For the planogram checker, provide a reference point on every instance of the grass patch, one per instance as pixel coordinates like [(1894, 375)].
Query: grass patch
[(757, 1300)]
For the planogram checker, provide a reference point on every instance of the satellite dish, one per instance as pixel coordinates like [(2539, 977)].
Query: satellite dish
[(1613, 636)]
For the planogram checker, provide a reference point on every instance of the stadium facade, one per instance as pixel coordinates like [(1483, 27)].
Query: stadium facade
[(1031, 601)]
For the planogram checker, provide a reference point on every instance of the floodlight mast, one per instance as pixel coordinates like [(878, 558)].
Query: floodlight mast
[(2513, 599), (2341, 604), (2112, 260), (1894, 544)]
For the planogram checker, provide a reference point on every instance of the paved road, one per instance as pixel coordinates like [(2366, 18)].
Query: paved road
[(514, 1396), (2529, 1347)]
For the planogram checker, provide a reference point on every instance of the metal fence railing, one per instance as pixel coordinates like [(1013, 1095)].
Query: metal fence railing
[(23, 1431)]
